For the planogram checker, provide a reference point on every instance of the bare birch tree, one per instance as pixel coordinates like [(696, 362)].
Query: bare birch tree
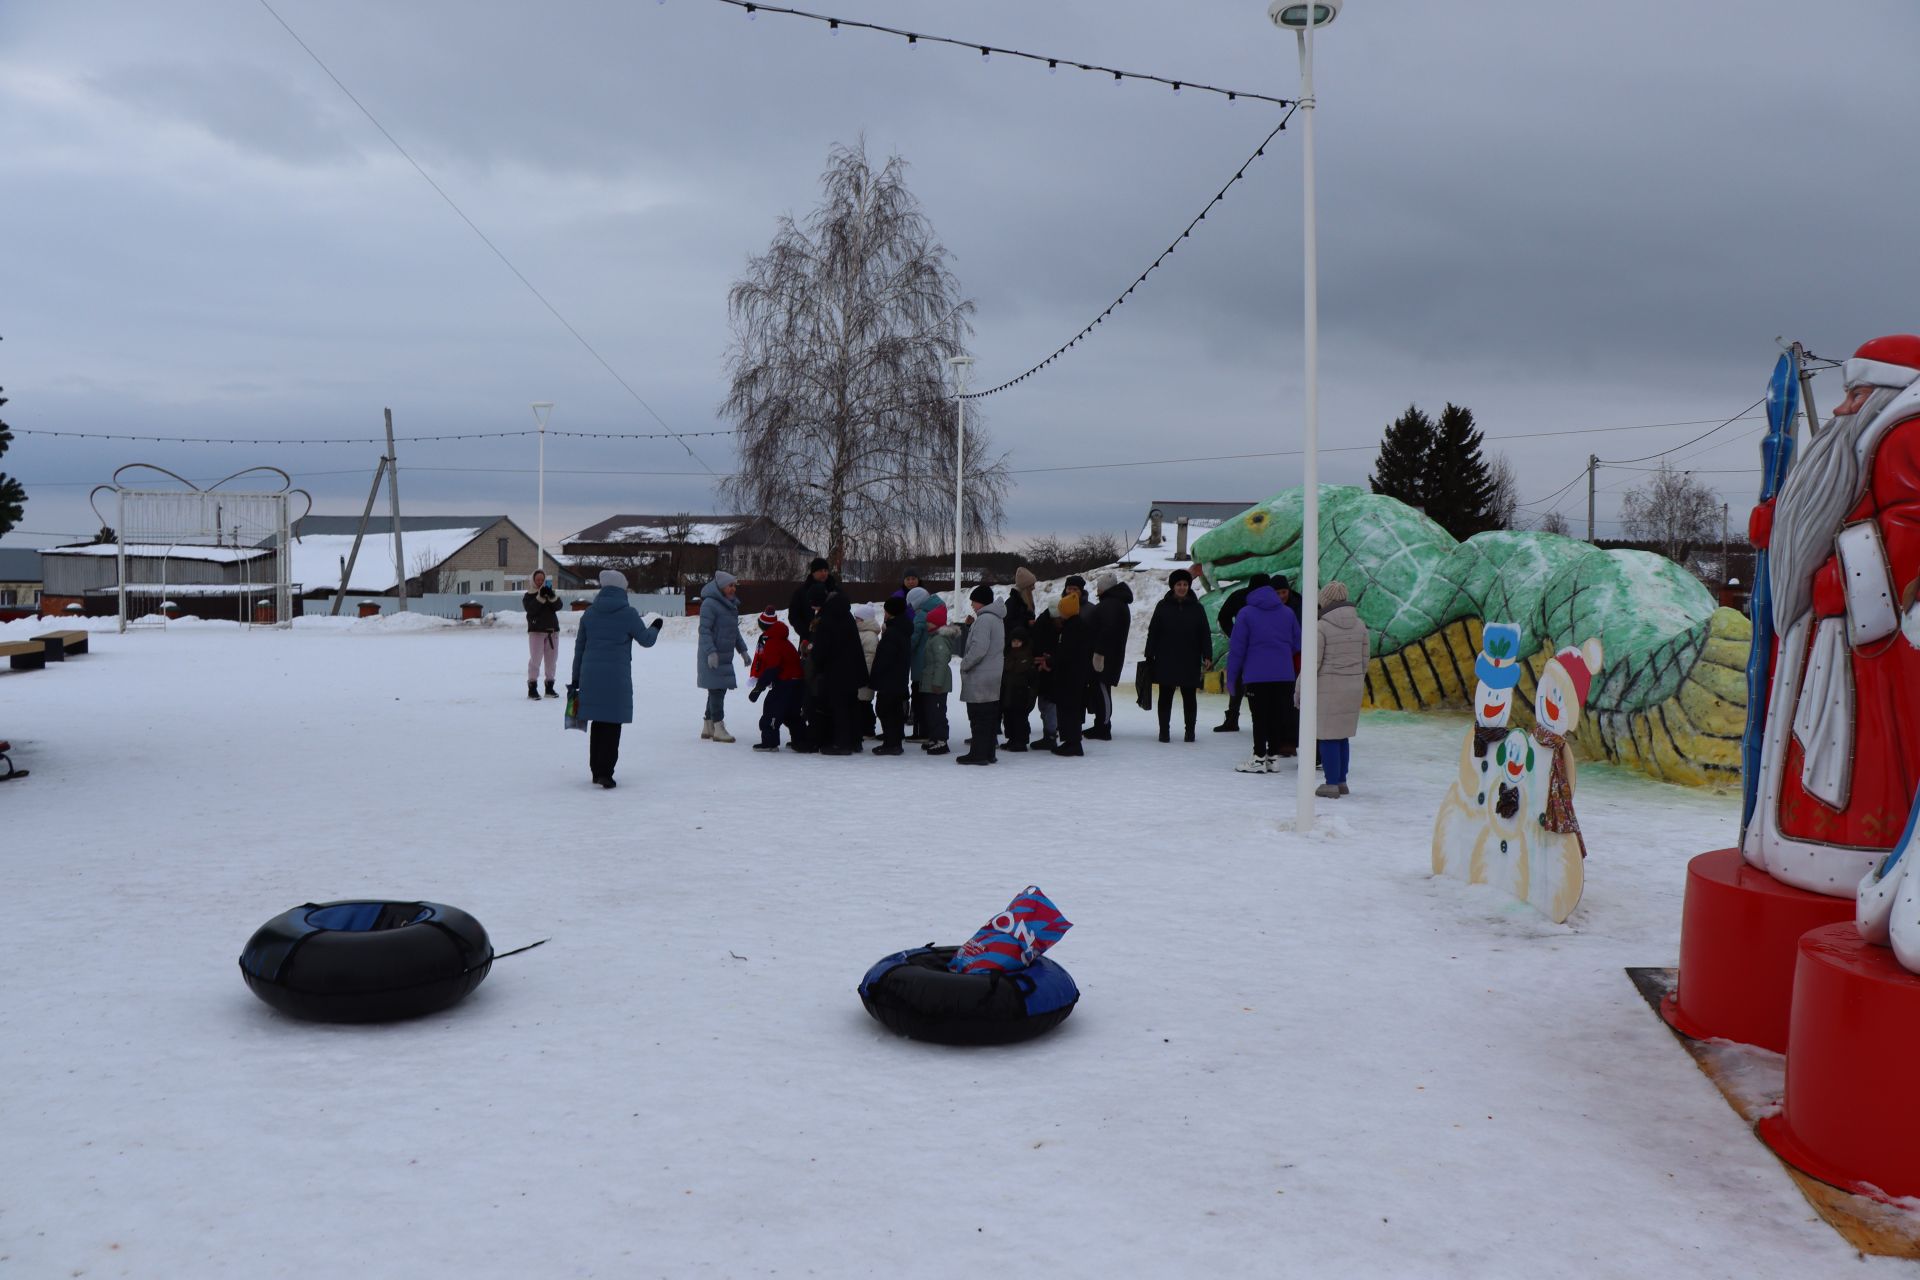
[(1673, 511), (842, 332)]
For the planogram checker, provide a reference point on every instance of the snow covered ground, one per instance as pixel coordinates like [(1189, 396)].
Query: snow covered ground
[(1294, 1056)]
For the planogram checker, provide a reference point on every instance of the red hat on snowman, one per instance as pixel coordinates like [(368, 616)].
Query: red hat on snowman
[(1574, 663)]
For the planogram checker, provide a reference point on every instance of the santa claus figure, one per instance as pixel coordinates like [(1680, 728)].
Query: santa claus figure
[(1841, 753)]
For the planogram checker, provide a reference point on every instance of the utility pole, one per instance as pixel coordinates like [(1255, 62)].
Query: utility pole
[(961, 365), (542, 409), (1806, 390), (1726, 567), (1593, 465), (393, 501), (366, 514)]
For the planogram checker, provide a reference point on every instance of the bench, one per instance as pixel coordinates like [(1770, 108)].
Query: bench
[(24, 655), (61, 645)]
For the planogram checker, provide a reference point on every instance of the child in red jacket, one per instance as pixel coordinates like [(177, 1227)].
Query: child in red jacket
[(776, 664)]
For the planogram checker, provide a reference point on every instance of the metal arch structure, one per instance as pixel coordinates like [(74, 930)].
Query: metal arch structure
[(241, 536)]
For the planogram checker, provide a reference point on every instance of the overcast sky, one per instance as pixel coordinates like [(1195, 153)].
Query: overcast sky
[(1564, 216)]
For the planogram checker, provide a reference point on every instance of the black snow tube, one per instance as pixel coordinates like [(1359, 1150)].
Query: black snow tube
[(914, 994), (366, 961)]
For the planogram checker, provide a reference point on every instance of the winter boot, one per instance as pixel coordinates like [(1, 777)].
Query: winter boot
[(1062, 749), (938, 749), (533, 691), (706, 729), (720, 733), (1045, 744), (1164, 736), (1230, 725), (1343, 788), (1328, 790), (889, 749), (766, 746), (551, 691), (1189, 732)]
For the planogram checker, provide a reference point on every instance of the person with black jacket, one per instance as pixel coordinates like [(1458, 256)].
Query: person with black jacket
[(1070, 659), (1043, 636), (1179, 646), (807, 599), (1016, 682), (542, 606), (1107, 632), (840, 667), (892, 676), (1228, 612)]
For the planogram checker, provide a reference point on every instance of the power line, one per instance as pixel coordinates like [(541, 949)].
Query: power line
[(986, 51), (1141, 279), (330, 440), (1696, 440), (567, 324)]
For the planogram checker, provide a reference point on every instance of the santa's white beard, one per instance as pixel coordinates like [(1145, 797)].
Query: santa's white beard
[(1823, 485)]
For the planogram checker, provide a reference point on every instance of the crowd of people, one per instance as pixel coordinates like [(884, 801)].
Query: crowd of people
[(831, 674)]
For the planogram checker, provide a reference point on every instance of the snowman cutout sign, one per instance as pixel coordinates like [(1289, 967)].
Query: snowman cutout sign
[(1556, 850), (1460, 830)]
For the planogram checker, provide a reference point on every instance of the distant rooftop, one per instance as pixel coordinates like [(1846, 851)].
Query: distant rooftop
[(384, 524), (19, 564), (1170, 512)]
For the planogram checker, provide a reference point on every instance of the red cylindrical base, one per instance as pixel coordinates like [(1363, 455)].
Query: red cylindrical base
[(1739, 938), (1849, 1120)]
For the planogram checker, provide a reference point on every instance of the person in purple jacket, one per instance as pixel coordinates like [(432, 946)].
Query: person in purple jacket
[(1260, 664)]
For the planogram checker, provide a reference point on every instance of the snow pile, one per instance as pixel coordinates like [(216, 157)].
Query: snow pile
[(386, 624)]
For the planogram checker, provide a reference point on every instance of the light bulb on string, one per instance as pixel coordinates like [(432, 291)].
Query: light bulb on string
[(1176, 88), (986, 54), (753, 14), (1053, 66), (833, 25)]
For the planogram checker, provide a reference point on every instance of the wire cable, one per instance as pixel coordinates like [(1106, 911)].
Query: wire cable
[(472, 226), (1614, 462), (988, 50), (1141, 279)]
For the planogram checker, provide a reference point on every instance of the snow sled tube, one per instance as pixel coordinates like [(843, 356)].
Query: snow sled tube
[(912, 993), (362, 961)]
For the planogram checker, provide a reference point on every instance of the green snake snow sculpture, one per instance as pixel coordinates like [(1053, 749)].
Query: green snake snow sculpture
[(1671, 700)]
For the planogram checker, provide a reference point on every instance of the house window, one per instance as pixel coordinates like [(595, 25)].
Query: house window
[(487, 585), (501, 544), (465, 588)]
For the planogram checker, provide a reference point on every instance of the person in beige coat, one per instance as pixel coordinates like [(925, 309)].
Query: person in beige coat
[(1341, 685)]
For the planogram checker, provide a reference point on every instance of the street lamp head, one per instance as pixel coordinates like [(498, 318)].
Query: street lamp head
[(1291, 16), (960, 362), (543, 404)]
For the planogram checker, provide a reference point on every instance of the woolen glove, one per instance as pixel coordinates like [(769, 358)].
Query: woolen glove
[(864, 694), (713, 662), (754, 696), (657, 623), (1099, 663)]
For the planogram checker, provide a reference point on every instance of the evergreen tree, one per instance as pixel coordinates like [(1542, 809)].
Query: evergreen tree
[(1461, 487), (13, 499), (1404, 468)]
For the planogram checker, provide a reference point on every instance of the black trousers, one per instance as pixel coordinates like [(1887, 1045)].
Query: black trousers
[(892, 711), (1233, 710), (1100, 702), (1288, 720), (603, 747), (1189, 704), (1016, 710), (1068, 716), (930, 716), (1263, 700), (843, 718), (984, 719)]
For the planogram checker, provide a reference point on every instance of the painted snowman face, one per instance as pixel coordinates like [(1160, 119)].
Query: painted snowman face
[(1513, 758), (1492, 706), (1556, 708)]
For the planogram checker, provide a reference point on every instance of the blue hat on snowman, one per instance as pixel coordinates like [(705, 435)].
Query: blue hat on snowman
[(1498, 665)]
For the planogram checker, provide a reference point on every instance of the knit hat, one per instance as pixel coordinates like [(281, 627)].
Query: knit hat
[(767, 619), (981, 595), (1077, 582), (723, 579), (864, 612), (910, 573), (1279, 582), (918, 596), (1108, 581), (1175, 578), (1333, 593), (1023, 580), (1069, 606), (819, 563), (1260, 580), (895, 606), (613, 578), (1579, 664)]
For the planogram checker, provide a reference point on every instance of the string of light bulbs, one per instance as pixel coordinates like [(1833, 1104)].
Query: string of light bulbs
[(1087, 330), (754, 8)]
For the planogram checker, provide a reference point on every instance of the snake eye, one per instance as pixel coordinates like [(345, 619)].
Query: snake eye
[(1256, 519)]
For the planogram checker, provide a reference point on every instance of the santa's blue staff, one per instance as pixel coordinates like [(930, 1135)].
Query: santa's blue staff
[(1776, 455)]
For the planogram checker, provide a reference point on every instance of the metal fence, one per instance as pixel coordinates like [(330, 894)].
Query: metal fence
[(446, 604)]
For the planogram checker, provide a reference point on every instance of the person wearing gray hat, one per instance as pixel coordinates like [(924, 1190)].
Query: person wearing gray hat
[(720, 639), (1108, 626), (601, 690)]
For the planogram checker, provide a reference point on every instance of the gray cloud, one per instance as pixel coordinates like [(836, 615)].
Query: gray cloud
[(1562, 216)]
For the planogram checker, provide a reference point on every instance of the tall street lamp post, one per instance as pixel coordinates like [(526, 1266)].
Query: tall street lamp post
[(541, 409), (961, 365), (1302, 20)]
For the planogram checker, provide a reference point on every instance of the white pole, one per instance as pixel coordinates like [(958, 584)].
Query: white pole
[(541, 408), (1310, 468), (955, 607)]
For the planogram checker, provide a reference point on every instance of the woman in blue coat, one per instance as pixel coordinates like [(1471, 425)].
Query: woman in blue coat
[(720, 639), (603, 670), (1262, 658)]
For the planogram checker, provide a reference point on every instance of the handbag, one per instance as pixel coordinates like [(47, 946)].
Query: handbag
[(1143, 686), (573, 720)]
